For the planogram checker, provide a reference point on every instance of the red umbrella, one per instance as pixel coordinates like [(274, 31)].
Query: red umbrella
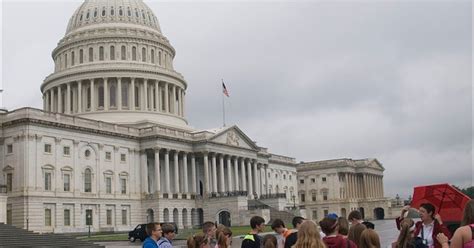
[(448, 201)]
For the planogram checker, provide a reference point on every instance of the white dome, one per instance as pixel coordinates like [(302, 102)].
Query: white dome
[(98, 12)]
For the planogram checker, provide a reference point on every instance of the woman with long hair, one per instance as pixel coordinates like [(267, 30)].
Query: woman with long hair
[(224, 237), (269, 241), (405, 238), (308, 236), (198, 241), (463, 237), (369, 239), (354, 233)]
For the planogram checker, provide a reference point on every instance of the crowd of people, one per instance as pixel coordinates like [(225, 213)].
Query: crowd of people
[(331, 232)]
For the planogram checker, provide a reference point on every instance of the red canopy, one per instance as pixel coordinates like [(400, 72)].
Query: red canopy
[(448, 201)]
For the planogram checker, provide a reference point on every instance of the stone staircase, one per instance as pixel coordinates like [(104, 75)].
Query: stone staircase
[(286, 216), (11, 236)]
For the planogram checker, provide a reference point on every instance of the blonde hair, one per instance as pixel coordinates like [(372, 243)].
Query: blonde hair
[(221, 235), (270, 241), (404, 237), (308, 236), (369, 239), (197, 241)]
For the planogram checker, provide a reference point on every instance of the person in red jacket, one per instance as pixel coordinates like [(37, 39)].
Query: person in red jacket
[(430, 225), (333, 239)]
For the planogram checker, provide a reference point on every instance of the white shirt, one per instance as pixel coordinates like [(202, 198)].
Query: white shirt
[(428, 233)]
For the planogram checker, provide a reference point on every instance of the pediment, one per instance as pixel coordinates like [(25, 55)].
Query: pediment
[(374, 163), (233, 136)]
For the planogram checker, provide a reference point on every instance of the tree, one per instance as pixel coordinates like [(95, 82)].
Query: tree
[(468, 191)]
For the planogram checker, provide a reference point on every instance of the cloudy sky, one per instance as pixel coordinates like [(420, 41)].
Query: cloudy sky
[(314, 80)]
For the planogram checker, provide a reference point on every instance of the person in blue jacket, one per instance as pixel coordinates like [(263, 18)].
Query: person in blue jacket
[(154, 234)]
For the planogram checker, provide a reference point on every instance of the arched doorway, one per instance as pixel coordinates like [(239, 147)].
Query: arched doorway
[(150, 216), (176, 216), (166, 215), (185, 218), (200, 216), (361, 210), (379, 213), (343, 212), (224, 218)]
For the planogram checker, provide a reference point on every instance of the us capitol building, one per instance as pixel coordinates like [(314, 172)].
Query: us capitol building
[(112, 147)]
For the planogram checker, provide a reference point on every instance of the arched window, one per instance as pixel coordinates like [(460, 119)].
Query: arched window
[(159, 57), (72, 58), (101, 53), (137, 101), (143, 54), (123, 53), (95, 12), (120, 11), (152, 56), (124, 94), (112, 96), (112, 12), (103, 12), (80, 18), (87, 180), (88, 100), (134, 53), (112, 53), (101, 96), (65, 60), (81, 56), (136, 13), (129, 13), (91, 54), (87, 15)]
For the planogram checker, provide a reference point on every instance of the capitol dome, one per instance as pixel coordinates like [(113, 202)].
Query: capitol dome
[(115, 65)]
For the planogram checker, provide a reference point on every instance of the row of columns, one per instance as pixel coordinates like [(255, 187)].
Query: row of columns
[(363, 185), (153, 95), (221, 173)]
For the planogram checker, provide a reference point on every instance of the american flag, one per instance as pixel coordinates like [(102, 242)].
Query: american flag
[(224, 89)]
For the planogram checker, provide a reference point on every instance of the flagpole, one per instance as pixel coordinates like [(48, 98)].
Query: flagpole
[(223, 106)]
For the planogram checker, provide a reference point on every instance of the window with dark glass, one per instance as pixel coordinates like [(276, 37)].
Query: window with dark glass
[(67, 182), (123, 186), (109, 217), (123, 53), (88, 181), (9, 148), (9, 182), (91, 54), (124, 217), (66, 151), (108, 185), (47, 217), (101, 53), (108, 155), (67, 217), (47, 148), (89, 217), (47, 181), (112, 53)]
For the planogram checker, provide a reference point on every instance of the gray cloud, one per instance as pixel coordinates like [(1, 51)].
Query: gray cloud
[(313, 80)]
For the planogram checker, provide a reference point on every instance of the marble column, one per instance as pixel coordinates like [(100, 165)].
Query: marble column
[(381, 187), (119, 93), (260, 175), (157, 170), (60, 100), (68, 98), (185, 172), (53, 100), (255, 177), (144, 171), (236, 174), (176, 172), (243, 175), (214, 173), (145, 95), (79, 96), (173, 99), (106, 94), (229, 175), (250, 180), (47, 105), (132, 94), (183, 102), (266, 179), (157, 97), (92, 95), (206, 173), (167, 171), (167, 102), (221, 174), (193, 173)]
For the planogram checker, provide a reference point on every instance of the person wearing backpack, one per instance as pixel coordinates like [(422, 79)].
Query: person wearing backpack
[(464, 235), (169, 233)]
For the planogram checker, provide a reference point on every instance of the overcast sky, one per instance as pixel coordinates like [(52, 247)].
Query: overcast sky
[(309, 79)]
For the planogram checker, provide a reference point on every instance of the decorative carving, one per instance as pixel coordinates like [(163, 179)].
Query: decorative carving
[(232, 138)]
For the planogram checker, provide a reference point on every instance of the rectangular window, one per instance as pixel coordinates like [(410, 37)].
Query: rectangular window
[(47, 217), (67, 182), (47, 181), (302, 198), (325, 196), (89, 217), (47, 148), (109, 216), (108, 155), (123, 185), (10, 148), (315, 215), (66, 151), (326, 212), (124, 217), (108, 185), (324, 179), (313, 180), (123, 157), (301, 181), (313, 197), (9, 182), (67, 217)]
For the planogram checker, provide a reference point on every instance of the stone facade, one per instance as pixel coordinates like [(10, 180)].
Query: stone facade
[(342, 185)]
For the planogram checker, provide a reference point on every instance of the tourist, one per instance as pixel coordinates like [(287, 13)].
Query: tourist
[(355, 217), (223, 237), (428, 228), (405, 238), (333, 239), (253, 240), (154, 234), (198, 241), (369, 239), (343, 226), (169, 233), (270, 241), (308, 236), (291, 239), (282, 232), (464, 235), (355, 231), (209, 229)]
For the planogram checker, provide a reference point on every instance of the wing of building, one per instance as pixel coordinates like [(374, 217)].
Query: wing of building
[(112, 147)]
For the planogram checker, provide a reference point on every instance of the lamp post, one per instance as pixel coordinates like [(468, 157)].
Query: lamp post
[(89, 224), (27, 223)]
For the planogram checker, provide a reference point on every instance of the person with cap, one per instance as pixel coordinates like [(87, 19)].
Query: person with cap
[(329, 225)]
